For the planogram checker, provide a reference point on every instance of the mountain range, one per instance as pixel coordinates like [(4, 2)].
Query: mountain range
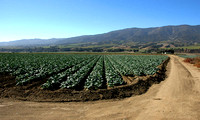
[(173, 35)]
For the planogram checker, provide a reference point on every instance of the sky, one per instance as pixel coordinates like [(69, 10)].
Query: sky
[(29, 19)]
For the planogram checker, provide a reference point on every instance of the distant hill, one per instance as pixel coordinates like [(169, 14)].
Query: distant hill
[(182, 34), (30, 42)]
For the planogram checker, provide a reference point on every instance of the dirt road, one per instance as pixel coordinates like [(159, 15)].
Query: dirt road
[(176, 98)]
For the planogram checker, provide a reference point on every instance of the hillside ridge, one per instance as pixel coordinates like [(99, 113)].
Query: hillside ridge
[(183, 34)]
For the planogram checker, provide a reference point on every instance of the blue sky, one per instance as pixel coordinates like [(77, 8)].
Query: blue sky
[(25, 19)]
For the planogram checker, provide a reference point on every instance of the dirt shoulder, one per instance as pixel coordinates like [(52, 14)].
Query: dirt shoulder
[(178, 97), (175, 98)]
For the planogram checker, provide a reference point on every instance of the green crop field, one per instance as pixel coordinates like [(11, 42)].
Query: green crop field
[(70, 71), (188, 56)]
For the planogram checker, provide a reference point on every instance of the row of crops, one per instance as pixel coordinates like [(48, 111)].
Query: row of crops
[(77, 71), (188, 56)]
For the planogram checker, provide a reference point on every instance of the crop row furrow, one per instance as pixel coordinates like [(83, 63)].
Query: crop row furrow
[(112, 76), (95, 79), (74, 80), (54, 82)]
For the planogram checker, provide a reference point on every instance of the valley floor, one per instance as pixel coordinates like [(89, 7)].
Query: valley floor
[(176, 98)]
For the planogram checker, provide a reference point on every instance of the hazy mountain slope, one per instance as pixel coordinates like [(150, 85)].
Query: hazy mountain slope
[(30, 42), (182, 33)]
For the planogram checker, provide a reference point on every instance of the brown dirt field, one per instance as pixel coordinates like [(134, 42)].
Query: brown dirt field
[(176, 98)]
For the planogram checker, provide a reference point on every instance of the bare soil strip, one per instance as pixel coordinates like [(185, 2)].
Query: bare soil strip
[(176, 98)]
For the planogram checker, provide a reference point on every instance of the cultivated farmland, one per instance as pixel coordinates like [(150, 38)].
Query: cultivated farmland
[(82, 73)]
